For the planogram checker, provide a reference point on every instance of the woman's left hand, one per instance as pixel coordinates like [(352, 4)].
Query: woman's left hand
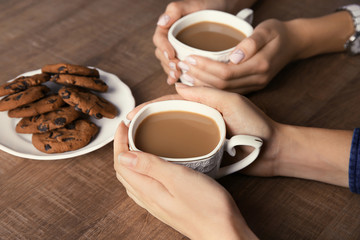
[(189, 201)]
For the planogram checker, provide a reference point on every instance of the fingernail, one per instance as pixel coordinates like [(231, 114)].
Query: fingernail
[(166, 55), (191, 60), (170, 81), (236, 56), (187, 80), (183, 66), (181, 85), (163, 20), (172, 74), (172, 65), (127, 159)]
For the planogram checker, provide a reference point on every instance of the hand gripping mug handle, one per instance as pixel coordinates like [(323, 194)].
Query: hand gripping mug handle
[(240, 140), (246, 14)]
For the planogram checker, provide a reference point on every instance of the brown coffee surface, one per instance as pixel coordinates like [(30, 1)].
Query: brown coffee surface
[(177, 134), (210, 36)]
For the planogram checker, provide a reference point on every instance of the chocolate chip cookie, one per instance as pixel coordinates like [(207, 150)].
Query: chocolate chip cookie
[(71, 137), (22, 83), (46, 104), (70, 69), (47, 121), (88, 102), (21, 98), (92, 83)]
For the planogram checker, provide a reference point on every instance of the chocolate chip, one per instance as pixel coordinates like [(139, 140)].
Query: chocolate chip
[(43, 127), (55, 77), (98, 115), (18, 96), (68, 139), (34, 118), (59, 135), (77, 107), (60, 69), (66, 94), (52, 100), (47, 147), (70, 126), (98, 81), (60, 121)]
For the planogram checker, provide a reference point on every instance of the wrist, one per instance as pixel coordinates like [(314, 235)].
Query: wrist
[(326, 34), (297, 39), (314, 154)]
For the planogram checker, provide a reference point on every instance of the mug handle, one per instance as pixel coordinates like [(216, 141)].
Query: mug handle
[(240, 140), (246, 14)]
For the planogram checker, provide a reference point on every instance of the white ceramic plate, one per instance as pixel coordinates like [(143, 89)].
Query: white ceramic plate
[(20, 145)]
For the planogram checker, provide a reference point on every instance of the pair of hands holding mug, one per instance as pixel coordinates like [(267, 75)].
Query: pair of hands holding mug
[(259, 57), (262, 55), (178, 195)]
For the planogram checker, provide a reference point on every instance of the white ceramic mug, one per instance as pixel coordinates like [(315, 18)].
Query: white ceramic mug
[(209, 163), (240, 21)]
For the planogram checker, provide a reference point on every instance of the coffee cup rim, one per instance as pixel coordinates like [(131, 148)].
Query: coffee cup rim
[(172, 38), (178, 105)]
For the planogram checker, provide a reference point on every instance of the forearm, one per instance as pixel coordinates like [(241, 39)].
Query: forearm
[(320, 35), (314, 153)]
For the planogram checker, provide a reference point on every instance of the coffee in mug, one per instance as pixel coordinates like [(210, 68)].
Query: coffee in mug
[(200, 115), (210, 36), (177, 134)]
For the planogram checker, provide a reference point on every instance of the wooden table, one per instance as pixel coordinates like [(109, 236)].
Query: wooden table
[(80, 198)]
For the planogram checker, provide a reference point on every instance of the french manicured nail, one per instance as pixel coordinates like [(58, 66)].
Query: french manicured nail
[(191, 60), (181, 85), (166, 55), (172, 65), (187, 80), (163, 20), (170, 81), (172, 74), (127, 159), (183, 66), (237, 56)]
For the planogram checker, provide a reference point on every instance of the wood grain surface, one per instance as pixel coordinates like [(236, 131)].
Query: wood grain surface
[(80, 198)]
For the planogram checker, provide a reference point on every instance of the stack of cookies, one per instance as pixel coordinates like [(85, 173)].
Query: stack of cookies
[(57, 120)]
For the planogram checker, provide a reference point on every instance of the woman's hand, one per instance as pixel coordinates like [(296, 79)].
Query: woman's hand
[(189, 201), (253, 63), (241, 117), (273, 44)]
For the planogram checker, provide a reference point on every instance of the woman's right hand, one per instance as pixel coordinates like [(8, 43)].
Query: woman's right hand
[(241, 117)]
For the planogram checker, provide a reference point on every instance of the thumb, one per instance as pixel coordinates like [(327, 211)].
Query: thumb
[(212, 97), (121, 140), (248, 47)]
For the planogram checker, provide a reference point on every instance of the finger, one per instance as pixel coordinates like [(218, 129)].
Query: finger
[(160, 40), (217, 73), (151, 166), (173, 12), (248, 47), (205, 95), (140, 171), (174, 73), (121, 140), (131, 114)]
